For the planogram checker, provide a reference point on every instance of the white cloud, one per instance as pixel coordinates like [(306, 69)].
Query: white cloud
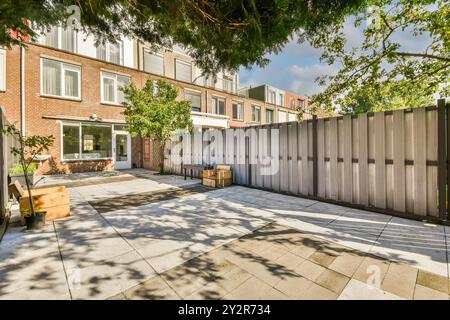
[(303, 77)]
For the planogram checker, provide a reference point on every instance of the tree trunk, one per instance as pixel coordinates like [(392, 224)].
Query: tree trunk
[(161, 157), (30, 198)]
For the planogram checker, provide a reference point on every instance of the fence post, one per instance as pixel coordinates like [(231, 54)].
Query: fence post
[(443, 159), (3, 169), (315, 162)]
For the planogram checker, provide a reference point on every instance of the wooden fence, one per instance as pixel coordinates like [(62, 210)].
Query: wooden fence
[(393, 161)]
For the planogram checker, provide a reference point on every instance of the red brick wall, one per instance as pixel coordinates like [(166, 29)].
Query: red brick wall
[(37, 106)]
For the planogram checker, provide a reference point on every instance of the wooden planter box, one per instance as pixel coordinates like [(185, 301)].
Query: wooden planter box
[(55, 201)]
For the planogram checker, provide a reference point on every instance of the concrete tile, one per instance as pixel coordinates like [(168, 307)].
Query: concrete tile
[(211, 291), (255, 289), (289, 260), (346, 264), (357, 290), (400, 280), (118, 296), (33, 277), (322, 258), (103, 280), (294, 287), (309, 270), (426, 293), (303, 250), (372, 269), (273, 252), (232, 279), (316, 292), (332, 280), (153, 289), (433, 281)]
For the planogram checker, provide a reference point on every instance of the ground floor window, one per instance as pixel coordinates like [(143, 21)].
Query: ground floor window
[(86, 141)]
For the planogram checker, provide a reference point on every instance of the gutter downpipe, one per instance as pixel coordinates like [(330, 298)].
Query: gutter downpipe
[(22, 90)]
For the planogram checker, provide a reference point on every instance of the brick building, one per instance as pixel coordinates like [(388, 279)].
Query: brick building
[(65, 86)]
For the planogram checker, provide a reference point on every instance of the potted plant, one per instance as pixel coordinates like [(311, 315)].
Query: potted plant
[(34, 221), (17, 173), (27, 149)]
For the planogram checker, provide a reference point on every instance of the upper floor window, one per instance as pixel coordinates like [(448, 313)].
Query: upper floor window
[(256, 114), (272, 97), (195, 98), (2, 70), (228, 84), (300, 103), (61, 38), (238, 110), (281, 99), (153, 63), (218, 105), (269, 116), (292, 103), (60, 79), (111, 84), (183, 71), (111, 52)]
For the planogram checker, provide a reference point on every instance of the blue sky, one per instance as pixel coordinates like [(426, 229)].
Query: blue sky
[(298, 65), (294, 69)]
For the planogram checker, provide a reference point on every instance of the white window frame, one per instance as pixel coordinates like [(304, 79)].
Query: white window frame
[(64, 66), (259, 108), (273, 115), (145, 50), (80, 135), (113, 76), (241, 114), (3, 63), (281, 96), (182, 62), (59, 46), (194, 92), (217, 98)]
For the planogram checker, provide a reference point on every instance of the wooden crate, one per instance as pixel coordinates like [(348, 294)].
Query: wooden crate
[(214, 182)]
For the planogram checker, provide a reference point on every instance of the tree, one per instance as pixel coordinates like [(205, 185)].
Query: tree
[(218, 34), (391, 96), (29, 147), (154, 113), (381, 60)]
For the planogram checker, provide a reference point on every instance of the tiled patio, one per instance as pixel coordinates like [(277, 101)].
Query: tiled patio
[(149, 229)]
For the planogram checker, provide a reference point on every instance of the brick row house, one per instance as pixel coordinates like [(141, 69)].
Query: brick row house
[(66, 86)]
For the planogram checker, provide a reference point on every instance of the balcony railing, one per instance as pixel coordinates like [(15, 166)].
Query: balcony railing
[(226, 85)]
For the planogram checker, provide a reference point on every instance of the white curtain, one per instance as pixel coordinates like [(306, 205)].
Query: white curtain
[(183, 71), (51, 77), (121, 81), (101, 52), (68, 39), (71, 83), (153, 63), (51, 38), (108, 90), (115, 53)]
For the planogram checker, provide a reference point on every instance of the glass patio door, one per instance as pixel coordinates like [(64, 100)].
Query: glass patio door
[(122, 150)]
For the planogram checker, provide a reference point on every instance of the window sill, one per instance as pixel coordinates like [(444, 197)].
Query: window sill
[(239, 120), (112, 104), (86, 160), (60, 97)]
